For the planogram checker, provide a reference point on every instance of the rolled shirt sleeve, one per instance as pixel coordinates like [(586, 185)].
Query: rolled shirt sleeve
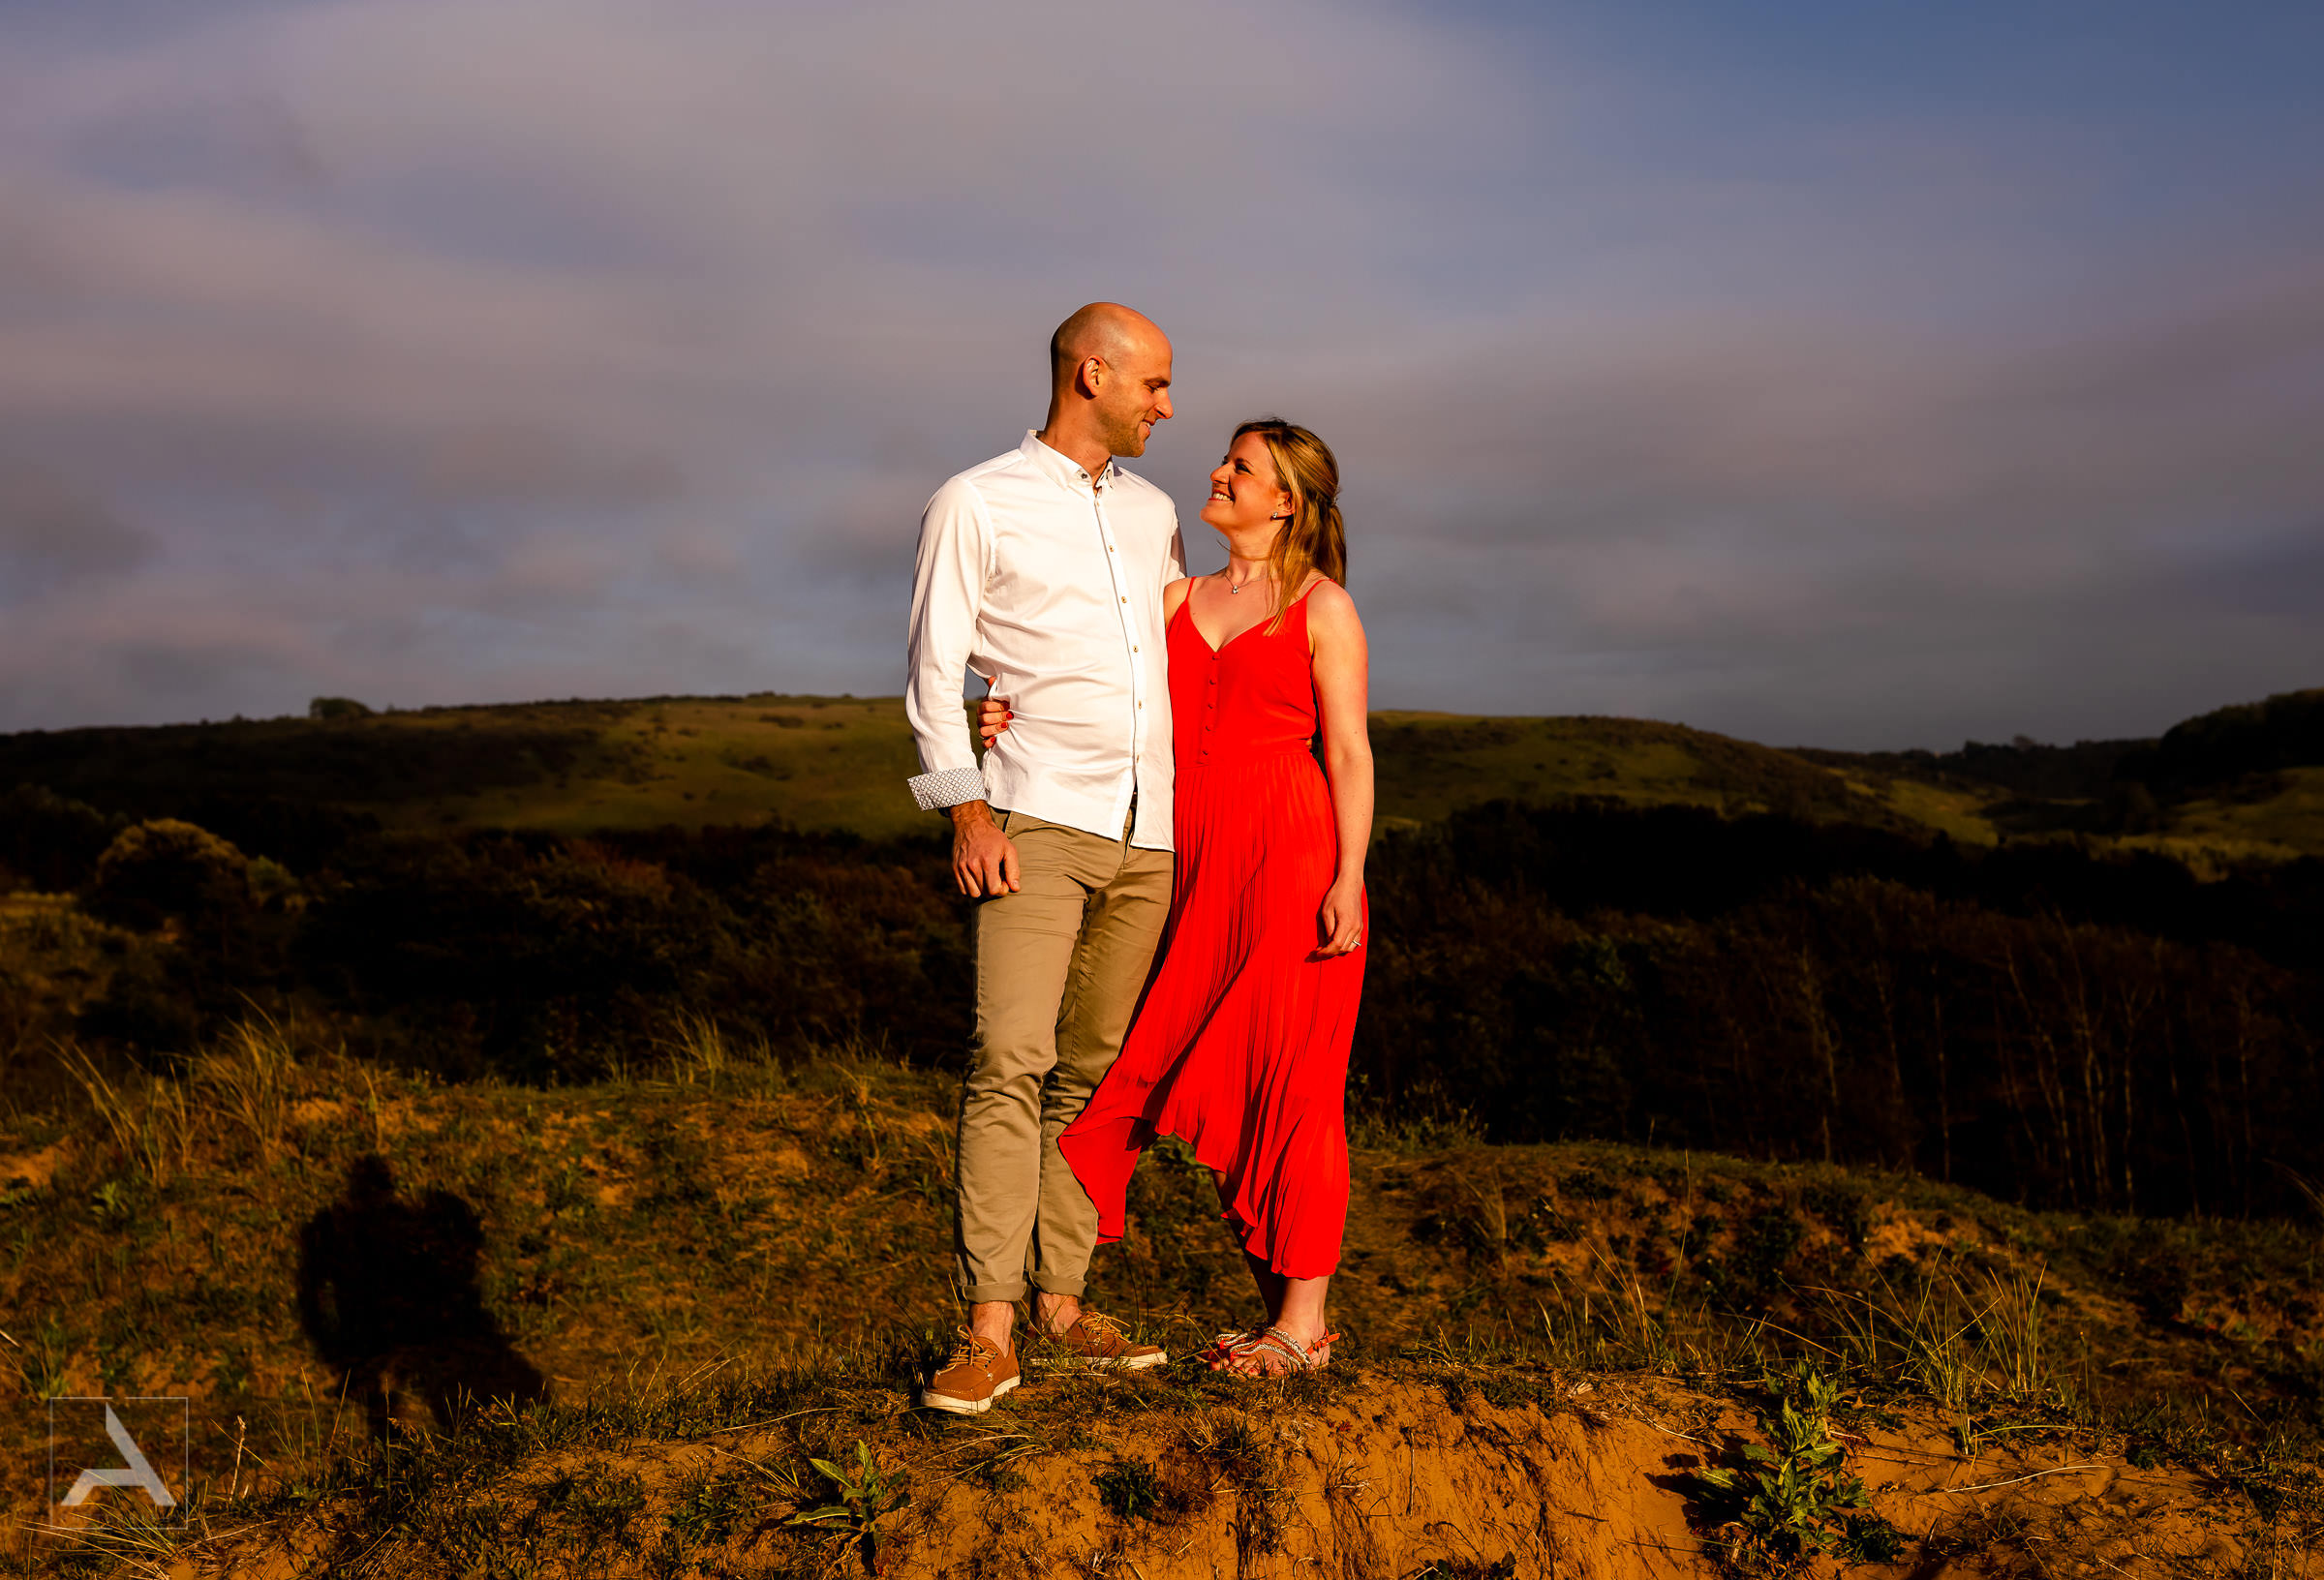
[(948, 587)]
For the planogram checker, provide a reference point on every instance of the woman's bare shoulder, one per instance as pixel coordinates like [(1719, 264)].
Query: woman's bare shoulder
[(1328, 601), (1175, 594)]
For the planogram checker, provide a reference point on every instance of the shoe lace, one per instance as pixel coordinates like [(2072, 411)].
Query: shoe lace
[(1101, 1326), (970, 1348)]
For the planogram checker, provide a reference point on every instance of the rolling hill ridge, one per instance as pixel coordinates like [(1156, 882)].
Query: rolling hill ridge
[(2242, 783)]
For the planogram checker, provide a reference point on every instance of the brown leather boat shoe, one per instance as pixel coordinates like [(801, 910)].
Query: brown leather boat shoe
[(976, 1375), (1097, 1340)]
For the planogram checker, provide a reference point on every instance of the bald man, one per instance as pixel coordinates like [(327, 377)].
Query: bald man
[(1042, 571)]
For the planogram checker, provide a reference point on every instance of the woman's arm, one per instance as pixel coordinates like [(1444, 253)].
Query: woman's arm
[(1343, 693)]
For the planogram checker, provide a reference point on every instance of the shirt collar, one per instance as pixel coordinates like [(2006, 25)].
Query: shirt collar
[(1063, 467)]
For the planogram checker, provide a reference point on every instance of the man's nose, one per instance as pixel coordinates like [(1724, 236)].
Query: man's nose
[(1162, 407)]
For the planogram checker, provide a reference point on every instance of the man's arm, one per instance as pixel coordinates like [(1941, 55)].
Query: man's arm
[(948, 589)]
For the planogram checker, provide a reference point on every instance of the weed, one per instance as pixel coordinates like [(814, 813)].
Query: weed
[(42, 1362), (701, 1053), (113, 1203), (1793, 1499), (1244, 1462), (149, 1124), (1130, 1490), (705, 1514), (600, 1504), (865, 1498), (247, 1080)]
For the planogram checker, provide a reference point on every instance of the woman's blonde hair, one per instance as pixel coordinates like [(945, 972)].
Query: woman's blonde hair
[(1313, 538)]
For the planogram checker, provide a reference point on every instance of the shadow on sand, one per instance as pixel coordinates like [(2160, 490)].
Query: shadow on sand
[(387, 1295)]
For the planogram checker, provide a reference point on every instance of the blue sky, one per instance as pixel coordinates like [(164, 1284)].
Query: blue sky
[(1858, 375)]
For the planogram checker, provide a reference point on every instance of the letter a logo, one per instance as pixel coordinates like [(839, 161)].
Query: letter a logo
[(137, 1472)]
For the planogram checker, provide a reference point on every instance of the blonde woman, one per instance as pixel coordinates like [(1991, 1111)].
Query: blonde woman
[(1240, 1046)]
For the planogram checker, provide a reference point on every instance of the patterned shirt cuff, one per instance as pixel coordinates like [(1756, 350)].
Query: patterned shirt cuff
[(947, 787)]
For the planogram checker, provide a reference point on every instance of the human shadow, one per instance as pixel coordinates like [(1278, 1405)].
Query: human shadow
[(387, 1296)]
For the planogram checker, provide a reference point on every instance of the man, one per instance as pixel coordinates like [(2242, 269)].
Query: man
[(1042, 571)]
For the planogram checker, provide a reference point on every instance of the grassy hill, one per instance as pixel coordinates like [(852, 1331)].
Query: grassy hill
[(841, 763), (2232, 786), (592, 1075), (568, 767), (697, 1279), (2242, 783)]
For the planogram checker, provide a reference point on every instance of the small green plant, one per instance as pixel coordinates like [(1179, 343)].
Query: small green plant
[(1792, 1498), (113, 1203), (1130, 1490), (41, 1361), (865, 1498), (706, 1514)]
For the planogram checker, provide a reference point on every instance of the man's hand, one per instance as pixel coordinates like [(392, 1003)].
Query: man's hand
[(984, 860)]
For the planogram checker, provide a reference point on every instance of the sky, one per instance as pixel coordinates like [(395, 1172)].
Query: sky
[(1860, 375)]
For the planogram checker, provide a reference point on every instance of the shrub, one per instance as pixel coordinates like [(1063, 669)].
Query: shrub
[(164, 869), (49, 840)]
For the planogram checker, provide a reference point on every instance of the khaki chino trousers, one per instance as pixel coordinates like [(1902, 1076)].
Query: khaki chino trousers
[(1060, 966)]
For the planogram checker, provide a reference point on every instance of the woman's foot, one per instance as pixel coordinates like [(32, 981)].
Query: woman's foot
[(1279, 1352), (1222, 1350)]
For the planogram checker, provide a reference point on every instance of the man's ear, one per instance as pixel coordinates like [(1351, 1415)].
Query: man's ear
[(1092, 375)]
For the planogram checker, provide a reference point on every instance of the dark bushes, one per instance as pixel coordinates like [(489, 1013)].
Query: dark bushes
[(2038, 1021), (545, 956), (1994, 1023)]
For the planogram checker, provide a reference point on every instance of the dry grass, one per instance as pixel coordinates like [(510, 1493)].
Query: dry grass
[(698, 1246)]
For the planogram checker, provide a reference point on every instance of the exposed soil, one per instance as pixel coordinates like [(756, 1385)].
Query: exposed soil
[(1384, 1478)]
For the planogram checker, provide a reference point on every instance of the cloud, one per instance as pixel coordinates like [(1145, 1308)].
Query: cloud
[(52, 535), (441, 350)]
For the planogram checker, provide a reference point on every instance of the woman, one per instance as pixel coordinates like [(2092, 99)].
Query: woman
[(1241, 1046)]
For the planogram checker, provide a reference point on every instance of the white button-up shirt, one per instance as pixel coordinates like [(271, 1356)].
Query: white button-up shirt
[(1048, 583)]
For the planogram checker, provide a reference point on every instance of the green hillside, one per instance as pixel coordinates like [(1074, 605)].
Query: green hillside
[(2240, 784), (841, 763)]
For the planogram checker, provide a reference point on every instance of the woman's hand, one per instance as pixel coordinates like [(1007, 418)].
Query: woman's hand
[(993, 717), (1340, 922)]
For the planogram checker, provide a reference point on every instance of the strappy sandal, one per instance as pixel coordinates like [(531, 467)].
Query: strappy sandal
[(1227, 1346), (1276, 1342)]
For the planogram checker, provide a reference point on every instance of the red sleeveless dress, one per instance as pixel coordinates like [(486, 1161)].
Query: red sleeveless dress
[(1241, 1046)]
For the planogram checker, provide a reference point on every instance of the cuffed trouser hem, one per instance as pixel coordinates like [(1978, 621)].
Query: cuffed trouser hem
[(977, 1295)]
